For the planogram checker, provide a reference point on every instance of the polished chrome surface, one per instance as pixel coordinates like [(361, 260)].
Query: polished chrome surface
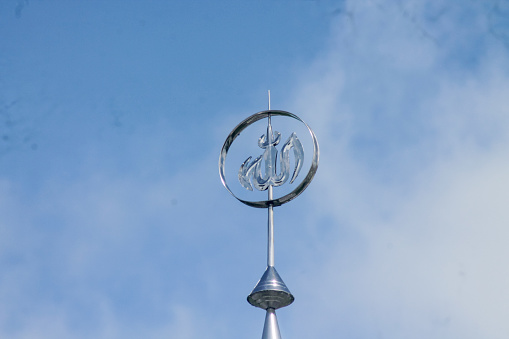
[(270, 221), (270, 291), (292, 144), (270, 235), (250, 172), (271, 328)]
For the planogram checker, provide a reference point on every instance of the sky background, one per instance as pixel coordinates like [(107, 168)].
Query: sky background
[(113, 219)]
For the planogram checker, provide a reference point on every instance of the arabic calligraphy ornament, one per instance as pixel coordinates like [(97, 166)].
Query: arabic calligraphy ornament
[(263, 173), (250, 173)]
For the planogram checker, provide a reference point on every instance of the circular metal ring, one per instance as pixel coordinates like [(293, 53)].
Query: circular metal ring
[(242, 126)]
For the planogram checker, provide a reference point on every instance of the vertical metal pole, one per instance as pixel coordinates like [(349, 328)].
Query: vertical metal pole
[(270, 248), (270, 236)]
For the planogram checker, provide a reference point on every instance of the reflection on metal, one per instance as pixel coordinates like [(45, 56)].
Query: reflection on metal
[(271, 178), (299, 188), (270, 293), (271, 328)]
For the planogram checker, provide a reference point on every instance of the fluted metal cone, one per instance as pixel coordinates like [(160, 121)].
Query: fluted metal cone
[(270, 291), (271, 328)]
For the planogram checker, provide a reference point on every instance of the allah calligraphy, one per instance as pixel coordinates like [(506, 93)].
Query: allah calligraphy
[(250, 172)]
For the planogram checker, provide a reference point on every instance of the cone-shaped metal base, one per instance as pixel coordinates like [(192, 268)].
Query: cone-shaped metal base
[(271, 328), (271, 291)]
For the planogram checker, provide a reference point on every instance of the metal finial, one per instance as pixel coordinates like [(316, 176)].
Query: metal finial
[(267, 171), (249, 169)]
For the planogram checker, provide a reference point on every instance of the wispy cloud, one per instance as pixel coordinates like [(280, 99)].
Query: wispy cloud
[(413, 122), (117, 226)]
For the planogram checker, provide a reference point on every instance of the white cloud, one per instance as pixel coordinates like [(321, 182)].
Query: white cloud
[(401, 234), (422, 247)]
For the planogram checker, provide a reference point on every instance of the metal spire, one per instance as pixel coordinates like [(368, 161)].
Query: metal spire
[(270, 293)]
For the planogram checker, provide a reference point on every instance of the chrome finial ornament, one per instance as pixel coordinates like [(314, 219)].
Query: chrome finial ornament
[(263, 174), (269, 179)]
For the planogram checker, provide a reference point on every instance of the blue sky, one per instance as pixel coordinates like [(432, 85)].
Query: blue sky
[(114, 223)]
